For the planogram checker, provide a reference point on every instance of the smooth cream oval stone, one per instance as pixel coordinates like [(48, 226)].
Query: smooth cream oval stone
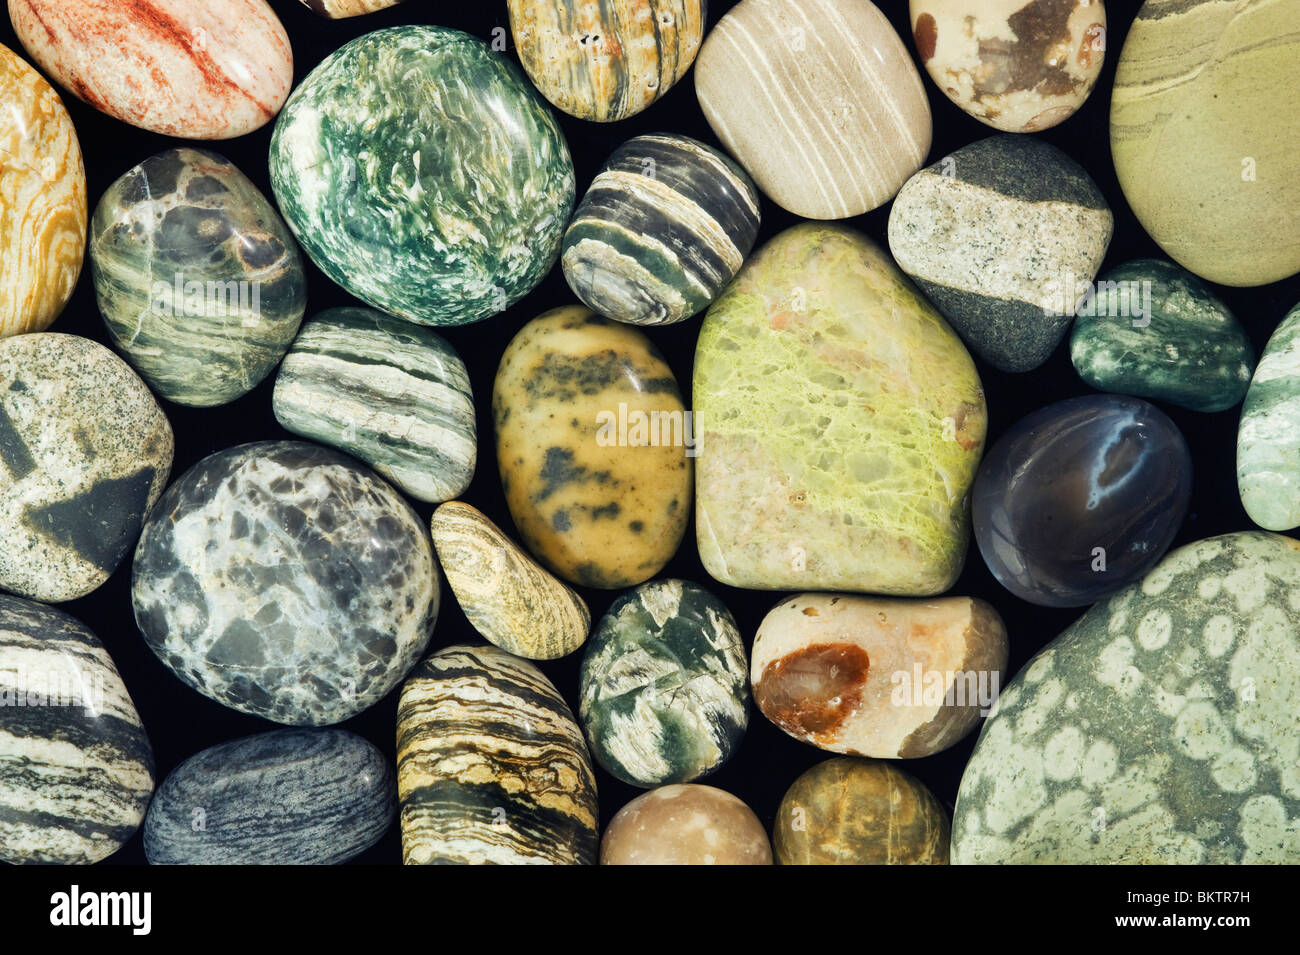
[(593, 444), (818, 100), (42, 201), (1205, 135), (884, 678), (342, 9), (195, 69), (508, 598), (687, 824), (1268, 437), (841, 422)]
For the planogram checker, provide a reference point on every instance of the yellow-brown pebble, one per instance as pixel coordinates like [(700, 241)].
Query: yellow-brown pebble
[(685, 825)]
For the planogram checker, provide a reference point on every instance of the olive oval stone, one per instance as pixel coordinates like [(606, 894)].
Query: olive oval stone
[(664, 687), (197, 277), (840, 420), (1080, 498), (1268, 437), (286, 580), (288, 797), (76, 769), (1160, 728), (685, 825), (423, 175), (593, 444)]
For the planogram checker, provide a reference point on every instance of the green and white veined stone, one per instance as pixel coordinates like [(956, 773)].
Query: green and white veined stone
[(424, 174), (1268, 437), (395, 395), (1162, 727), (664, 686)]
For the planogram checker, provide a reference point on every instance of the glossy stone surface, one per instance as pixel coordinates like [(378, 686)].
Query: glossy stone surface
[(84, 453), (1154, 330), (872, 677), (685, 825), (841, 424), (341, 9), (848, 811), (818, 100), (666, 224), (1268, 437), (288, 797), (1205, 135), (491, 767), (1080, 498), (424, 175), (998, 235), (593, 445), (606, 60), (392, 394), (1159, 728), (42, 200), (286, 580), (664, 687), (76, 769), (197, 277), (1016, 65), (194, 69), (507, 597)]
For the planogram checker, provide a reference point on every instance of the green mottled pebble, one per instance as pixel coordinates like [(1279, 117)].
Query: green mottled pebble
[(1268, 438)]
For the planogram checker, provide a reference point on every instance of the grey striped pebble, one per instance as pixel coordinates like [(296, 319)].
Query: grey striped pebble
[(666, 224), (491, 766), (288, 797), (393, 394), (76, 769)]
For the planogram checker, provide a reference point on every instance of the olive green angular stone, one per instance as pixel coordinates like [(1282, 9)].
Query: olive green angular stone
[(1268, 438)]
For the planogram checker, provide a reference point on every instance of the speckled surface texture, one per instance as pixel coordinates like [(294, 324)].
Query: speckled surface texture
[(685, 825)]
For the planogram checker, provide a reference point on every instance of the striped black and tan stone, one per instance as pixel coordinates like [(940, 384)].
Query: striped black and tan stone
[(666, 224), (491, 767), (393, 394), (76, 769), (84, 453), (1000, 235)]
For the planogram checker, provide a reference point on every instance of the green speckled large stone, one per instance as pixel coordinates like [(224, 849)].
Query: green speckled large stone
[(1154, 330), (1162, 727), (1268, 438), (423, 174)]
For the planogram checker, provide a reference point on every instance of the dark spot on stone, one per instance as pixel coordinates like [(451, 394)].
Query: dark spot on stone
[(926, 34), (560, 522), (238, 527), (610, 510), (260, 251), (636, 526), (203, 186), (15, 454), (239, 645), (100, 523)]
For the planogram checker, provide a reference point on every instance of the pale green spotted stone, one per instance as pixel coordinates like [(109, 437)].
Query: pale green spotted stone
[(1268, 439)]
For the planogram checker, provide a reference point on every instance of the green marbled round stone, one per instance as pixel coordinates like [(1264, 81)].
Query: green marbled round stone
[(1268, 437), (1154, 330), (423, 174), (197, 277), (664, 686)]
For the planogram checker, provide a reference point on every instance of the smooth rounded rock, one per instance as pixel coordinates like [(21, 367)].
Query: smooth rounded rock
[(818, 100), (1080, 498), (491, 766), (1017, 65), (1154, 330), (42, 200), (998, 235), (507, 597), (593, 444), (194, 69), (286, 580), (1205, 135), (606, 60), (197, 277), (390, 393), (884, 678), (685, 825), (85, 451), (288, 797), (841, 422), (848, 811), (1268, 436), (1160, 728), (342, 9), (666, 224), (664, 686), (424, 175), (76, 769)]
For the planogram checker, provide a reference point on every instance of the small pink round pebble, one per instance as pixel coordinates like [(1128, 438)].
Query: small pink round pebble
[(685, 825)]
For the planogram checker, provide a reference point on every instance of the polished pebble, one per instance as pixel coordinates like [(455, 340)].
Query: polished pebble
[(1268, 436), (342, 9), (685, 825)]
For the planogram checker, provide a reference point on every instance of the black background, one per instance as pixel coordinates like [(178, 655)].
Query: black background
[(180, 722)]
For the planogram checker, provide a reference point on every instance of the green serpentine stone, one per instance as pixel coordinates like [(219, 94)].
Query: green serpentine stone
[(1154, 330), (423, 174), (841, 423), (1161, 727), (392, 394), (1268, 438)]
